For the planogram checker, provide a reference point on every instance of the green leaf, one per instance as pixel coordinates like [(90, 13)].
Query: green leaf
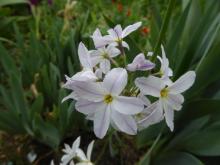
[(179, 158), (7, 61), (46, 132), (193, 127), (204, 143), (12, 2)]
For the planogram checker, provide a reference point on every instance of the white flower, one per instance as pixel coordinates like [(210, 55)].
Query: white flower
[(76, 152), (31, 156), (85, 159), (140, 63), (99, 40), (103, 100), (165, 70), (116, 35), (102, 56), (85, 75), (170, 97), (70, 152)]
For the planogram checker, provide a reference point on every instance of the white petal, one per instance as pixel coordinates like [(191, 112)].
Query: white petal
[(183, 83), (115, 81), (76, 144), (125, 44), (80, 154), (84, 75), (112, 51), (98, 73), (105, 66), (88, 107), (65, 159), (113, 34), (175, 101), (52, 162), (169, 115), (154, 114), (131, 67), (144, 99), (102, 121), (150, 86), (95, 57), (124, 123), (84, 56), (127, 105), (97, 33), (92, 91), (89, 150), (71, 163), (118, 30), (130, 29), (141, 63), (90, 116), (100, 42), (72, 95)]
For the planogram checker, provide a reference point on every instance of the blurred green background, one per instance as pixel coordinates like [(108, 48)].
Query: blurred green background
[(38, 46)]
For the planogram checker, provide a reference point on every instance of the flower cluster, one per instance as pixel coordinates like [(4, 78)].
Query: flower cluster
[(112, 95), (75, 153)]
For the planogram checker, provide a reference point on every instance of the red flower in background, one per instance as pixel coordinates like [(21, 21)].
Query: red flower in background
[(145, 30)]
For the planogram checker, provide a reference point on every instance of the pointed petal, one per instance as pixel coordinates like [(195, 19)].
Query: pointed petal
[(124, 123), (129, 29), (127, 105), (92, 91), (83, 76), (72, 95), (169, 115), (97, 33), (89, 150), (175, 101), (150, 85), (153, 114), (88, 107), (118, 30), (125, 44), (183, 83), (113, 34), (84, 56), (102, 121), (115, 81), (76, 144), (105, 66)]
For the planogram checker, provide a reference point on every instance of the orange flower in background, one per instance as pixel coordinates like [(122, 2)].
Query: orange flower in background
[(128, 12), (119, 7), (145, 30)]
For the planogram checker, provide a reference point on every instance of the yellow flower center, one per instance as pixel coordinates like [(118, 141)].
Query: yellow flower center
[(105, 56), (164, 92), (108, 99)]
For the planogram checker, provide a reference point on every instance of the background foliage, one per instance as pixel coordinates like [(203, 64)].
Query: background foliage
[(38, 46)]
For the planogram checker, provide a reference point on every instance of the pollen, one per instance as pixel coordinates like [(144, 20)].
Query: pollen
[(164, 92), (108, 99)]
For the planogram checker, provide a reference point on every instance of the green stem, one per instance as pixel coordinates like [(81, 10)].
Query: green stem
[(122, 53), (163, 30)]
